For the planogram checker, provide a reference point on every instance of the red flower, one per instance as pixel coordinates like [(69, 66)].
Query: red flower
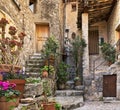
[(12, 30), (12, 43), (3, 22), (21, 35)]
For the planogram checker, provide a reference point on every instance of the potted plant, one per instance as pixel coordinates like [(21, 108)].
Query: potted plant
[(46, 105), (77, 81), (77, 49), (9, 97), (108, 52), (18, 78), (62, 75), (49, 51), (48, 71), (11, 44)]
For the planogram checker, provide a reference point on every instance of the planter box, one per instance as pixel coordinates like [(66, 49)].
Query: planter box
[(6, 105), (20, 84), (48, 106)]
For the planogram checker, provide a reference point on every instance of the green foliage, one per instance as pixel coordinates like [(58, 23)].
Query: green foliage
[(8, 93), (77, 78), (49, 68), (78, 45), (24, 108), (58, 106), (109, 52), (50, 47), (33, 80), (46, 89), (62, 73), (12, 75)]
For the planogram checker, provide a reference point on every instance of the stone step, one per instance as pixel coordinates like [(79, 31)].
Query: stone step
[(33, 89), (27, 70), (34, 61), (33, 66), (69, 93), (33, 74), (35, 57), (70, 102)]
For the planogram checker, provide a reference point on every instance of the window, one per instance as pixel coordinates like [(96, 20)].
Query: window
[(73, 35), (73, 6), (17, 3), (32, 5)]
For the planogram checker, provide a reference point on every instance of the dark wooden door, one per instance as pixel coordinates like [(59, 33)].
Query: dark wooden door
[(93, 42), (109, 85)]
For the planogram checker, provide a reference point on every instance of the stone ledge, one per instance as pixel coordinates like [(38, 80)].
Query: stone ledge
[(70, 102)]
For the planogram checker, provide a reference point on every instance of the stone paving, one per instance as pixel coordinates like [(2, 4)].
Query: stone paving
[(114, 105)]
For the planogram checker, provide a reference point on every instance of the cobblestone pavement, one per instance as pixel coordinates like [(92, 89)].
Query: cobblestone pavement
[(100, 106)]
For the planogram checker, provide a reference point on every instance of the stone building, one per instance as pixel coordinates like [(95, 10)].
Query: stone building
[(37, 18), (95, 20)]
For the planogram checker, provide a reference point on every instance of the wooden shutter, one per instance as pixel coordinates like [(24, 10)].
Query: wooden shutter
[(93, 42)]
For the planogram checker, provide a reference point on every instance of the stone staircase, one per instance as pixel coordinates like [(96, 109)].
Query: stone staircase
[(70, 99), (33, 65), (32, 69)]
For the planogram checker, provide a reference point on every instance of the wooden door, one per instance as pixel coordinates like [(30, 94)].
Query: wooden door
[(42, 33), (109, 85), (93, 42)]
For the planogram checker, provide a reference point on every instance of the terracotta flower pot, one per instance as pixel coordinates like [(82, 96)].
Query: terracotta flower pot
[(48, 106), (44, 74), (20, 83), (6, 105), (1, 77)]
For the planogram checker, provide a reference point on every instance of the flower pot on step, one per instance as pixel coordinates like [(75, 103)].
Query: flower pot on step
[(20, 84), (6, 105), (48, 106)]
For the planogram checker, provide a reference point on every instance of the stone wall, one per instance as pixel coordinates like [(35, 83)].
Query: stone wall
[(114, 22), (47, 11), (21, 18), (71, 18)]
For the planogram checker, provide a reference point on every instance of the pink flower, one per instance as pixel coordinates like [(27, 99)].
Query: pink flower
[(5, 85), (13, 85)]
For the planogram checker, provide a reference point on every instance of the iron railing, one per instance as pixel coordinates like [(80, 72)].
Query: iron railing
[(94, 67)]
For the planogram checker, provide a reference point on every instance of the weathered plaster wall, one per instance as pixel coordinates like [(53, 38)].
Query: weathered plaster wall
[(114, 22), (71, 18), (102, 27)]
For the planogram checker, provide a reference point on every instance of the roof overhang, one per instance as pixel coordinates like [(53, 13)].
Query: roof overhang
[(98, 10)]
